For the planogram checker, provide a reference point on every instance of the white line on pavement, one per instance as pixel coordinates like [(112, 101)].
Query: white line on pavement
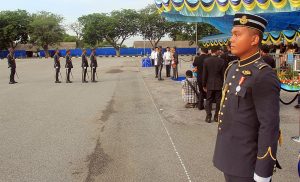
[(166, 129)]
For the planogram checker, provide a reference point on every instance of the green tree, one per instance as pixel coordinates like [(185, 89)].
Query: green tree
[(14, 28), (69, 38), (114, 28), (46, 30), (77, 27), (187, 31), (152, 26)]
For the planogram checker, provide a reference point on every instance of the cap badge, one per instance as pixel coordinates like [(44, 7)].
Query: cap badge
[(244, 20)]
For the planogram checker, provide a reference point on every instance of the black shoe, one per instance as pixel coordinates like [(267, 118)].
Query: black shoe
[(11, 83), (297, 106), (208, 119), (69, 82), (156, 76), (94, 81), (15, 82), (57, 81), (216, 119), (85, 81)]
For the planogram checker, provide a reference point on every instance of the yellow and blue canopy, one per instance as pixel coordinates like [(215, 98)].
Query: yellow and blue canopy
[(281, 14), (274, 37)]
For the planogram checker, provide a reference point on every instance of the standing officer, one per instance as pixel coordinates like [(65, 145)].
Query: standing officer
[(212, 82), (68, 66), (57, 66), (84, 66), (94, 65), (198, 62), (12, 65), (160, 63), (248, 130)]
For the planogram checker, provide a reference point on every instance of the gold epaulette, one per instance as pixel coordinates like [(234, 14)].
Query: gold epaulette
[(260, 65)]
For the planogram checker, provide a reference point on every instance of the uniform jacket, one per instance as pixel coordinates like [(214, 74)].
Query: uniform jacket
[(11, 61), (93, 61), (56, 61), (213, 73), (248, 130), (160, 59), (84, 63), (198, 62), (69, 63)]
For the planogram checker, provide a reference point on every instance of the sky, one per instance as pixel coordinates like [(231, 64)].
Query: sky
[(73, 9)]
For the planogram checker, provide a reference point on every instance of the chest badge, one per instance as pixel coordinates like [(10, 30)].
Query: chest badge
[(246, 72)]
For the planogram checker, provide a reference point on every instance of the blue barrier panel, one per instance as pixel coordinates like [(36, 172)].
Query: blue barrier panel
[(101, 52)]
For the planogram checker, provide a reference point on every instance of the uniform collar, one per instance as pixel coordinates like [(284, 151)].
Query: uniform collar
[(249, 60)]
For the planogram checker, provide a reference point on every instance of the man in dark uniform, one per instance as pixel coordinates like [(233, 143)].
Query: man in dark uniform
[(248, 130), (228, 56), (12, 65), (212, 81), (68, 66), (175, 62), (265, 50), (94, 65), (84, 66), (198, 62), (160, 63), (57, 66)]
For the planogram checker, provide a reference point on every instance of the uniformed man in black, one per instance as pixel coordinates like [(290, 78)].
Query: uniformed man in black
[(160, 62), (94, 65), (265, 50), (198, 62), (84, 66), (12, 65), (248, 130), (68, 65), (212, 82), (57, 66)]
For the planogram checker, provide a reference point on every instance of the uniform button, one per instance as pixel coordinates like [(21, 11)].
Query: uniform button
[(220, 128), (222, 114), (237, 70), (226, 98), (230, 84), (233, 76), (224, 106), (227, 91), (221, 121)]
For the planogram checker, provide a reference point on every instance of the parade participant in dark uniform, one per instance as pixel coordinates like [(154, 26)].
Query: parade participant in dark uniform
[(228, 56), (265, 50), (160, 63), (212, 81), (94, 65), (12, 65), (84, 66), (198, 62), (57, 66), (68, 66), (248, 130), (175, 62)]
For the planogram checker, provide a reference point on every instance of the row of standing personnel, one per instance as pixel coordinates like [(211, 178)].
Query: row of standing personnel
[(69, 66), (57, 66)]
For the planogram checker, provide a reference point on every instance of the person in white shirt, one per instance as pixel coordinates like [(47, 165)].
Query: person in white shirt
[(167, 60), (152, 57)]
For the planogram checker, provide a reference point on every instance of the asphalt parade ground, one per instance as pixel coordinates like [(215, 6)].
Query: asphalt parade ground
[(127, 127)]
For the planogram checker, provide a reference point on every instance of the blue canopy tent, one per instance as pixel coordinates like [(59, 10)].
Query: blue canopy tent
[(281, 14)]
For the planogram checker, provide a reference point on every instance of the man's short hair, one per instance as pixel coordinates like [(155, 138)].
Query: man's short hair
[(265, 49), (204, 50), (214, 49), (259, 34), (189, 73)]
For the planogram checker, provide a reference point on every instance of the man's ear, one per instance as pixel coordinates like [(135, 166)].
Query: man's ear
[(255, 40)]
